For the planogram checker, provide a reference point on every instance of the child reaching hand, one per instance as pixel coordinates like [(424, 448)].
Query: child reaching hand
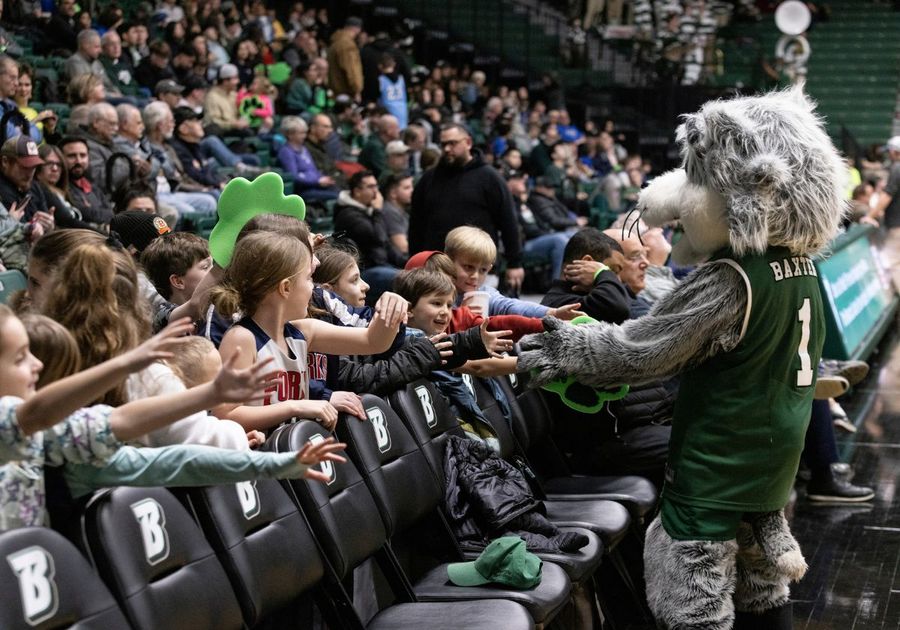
[(269, 280), (177, 465), (53, 426)]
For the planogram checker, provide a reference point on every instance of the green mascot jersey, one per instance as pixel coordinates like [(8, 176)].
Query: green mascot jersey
[(741, 416)]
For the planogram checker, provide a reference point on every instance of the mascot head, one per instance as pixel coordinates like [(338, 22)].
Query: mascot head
[(758, 171)]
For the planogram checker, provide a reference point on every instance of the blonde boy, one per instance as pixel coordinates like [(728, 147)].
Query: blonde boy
[(473, 253)]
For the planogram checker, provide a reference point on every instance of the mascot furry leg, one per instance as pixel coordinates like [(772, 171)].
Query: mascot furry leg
[(759, 193)]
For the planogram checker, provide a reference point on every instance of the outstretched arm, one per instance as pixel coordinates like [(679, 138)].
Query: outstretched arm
[(192, 465), (700, 318)]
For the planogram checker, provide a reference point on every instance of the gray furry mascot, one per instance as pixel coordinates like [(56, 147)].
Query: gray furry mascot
[(760, 191)]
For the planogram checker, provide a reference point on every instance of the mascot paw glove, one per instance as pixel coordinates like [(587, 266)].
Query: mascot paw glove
[(546, 354)]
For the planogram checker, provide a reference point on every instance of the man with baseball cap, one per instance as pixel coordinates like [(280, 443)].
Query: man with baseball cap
[(18, 189), (397, 160), (187, 145), (169, 92), (220, 111)]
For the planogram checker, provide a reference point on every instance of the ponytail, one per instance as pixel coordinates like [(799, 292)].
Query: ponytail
[(226, 299)]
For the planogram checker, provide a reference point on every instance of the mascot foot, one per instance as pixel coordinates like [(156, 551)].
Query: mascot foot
[(781, 618)]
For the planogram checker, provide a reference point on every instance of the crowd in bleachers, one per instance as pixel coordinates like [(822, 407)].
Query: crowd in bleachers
[(423, 188)]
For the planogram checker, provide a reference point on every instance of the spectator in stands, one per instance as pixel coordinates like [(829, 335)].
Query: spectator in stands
[(561, 174), (540, 239), (345, 73), (135, 42), (320, 130), (303, 49), (9, 86), (186, 142), (374, 155), (54, 177), (46, 120), (255, 104), (19, 190), (169, 92), (602, 296), (358, 212), (463, 190), (540, 159), (860, 204), (103, 125), (415, 137), (86, 60), (117, 66), (633, 273), (549, 211), (184, 63), (137, 198), (245, 58), (392, 90), (306, 94), (155, 66), (90, 200), (150, 164), (86, 89), (397, 192), (62, 28), (7, 43), (194, 94), (220, 112), (397, 160), (309, 182), (176, 263)]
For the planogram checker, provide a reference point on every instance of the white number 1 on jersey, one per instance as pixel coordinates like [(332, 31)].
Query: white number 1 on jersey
[(805, 373)]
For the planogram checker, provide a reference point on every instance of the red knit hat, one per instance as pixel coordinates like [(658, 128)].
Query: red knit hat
[(420, 259)]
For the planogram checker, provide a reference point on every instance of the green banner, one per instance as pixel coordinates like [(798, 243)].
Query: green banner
[(858, 293)]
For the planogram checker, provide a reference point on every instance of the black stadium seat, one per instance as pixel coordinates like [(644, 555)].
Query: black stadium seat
[(391, 462), (48, 584), (347, 523), (534, 429), (429, 418), (154, 558), (265, 546)]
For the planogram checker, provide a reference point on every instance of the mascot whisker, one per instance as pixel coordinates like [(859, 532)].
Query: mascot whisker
[(759, 193)]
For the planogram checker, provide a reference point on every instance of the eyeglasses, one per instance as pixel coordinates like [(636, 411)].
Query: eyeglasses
[(50, 164), (450, 143)]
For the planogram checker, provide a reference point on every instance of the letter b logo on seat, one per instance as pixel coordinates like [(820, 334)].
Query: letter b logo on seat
[(379, 425), (325, 466), (152, 520), (427, 407), (248, 495), (34, 569)]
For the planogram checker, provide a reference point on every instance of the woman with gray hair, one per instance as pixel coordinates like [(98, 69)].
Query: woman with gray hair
[(309, 182)]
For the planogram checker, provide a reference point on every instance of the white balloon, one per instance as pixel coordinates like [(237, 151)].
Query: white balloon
[(792, 17)]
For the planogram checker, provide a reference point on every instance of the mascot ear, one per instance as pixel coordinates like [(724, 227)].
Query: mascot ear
[(748, 224)]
